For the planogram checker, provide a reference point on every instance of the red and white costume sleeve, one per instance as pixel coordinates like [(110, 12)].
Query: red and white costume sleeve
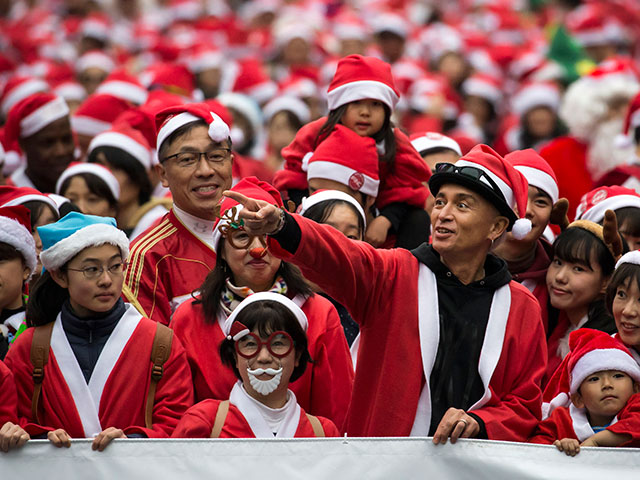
[(405, 183), (245, 421), (117, 391), (166, 264), (572, 422), (394, 299), (8, 396), (324, 388)]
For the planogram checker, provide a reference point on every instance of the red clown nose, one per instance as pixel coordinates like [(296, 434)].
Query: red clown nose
[(258, 252)]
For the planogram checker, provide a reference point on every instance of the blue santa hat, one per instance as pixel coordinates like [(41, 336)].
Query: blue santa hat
[(64, 239)]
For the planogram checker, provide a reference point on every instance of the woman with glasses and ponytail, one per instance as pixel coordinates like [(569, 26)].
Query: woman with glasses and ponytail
[(85, 369), (266, 347)]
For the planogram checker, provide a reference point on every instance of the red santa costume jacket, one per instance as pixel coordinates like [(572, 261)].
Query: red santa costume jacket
[(324, 388), (117, 391), (245, 421), (8, 396), (404, 183), (572, 422), (394, 299), (166, 264)]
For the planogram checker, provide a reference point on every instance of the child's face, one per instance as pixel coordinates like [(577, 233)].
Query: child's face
[(626, 312), (603, 394), (573, 286), (539, 207), (365, 117), (13, 273)]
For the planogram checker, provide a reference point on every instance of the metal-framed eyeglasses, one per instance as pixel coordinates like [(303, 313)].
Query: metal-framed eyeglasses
[(190, 159), (93, 272)]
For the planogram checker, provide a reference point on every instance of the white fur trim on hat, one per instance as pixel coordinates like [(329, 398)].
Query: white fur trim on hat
[(326, 195), (71, 91), (261, 297), (536, 96), (427, 143), (287, 104), (244, 104), (216, 232), (124, 90), (342, 174), (596, 213), (629, 257), (43, 116), (99, 171), (173, 124), (88, 126), (360, 90), (16, 235), (124, 142), (540, 179), (22, 91), (91, 236), (31, 197), (603, 359)]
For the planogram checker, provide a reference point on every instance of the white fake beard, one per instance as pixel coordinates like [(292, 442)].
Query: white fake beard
[(602, 154), (264, 387)]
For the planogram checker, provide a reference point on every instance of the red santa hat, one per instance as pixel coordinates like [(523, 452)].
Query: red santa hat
[(252, 80), (172, 118), (127, 139), (532, 95), (172, 77), (629, 257), (97, 113), (125, 86), (10, 196), (358, 78), (252, 188), (591, 25), (594, 203), (631, 122), (289, 104), (18, 88), (495, 179), (536, 170), (591, 351), (387, 21), (299, 86), (96, 26), (483, 86), (204, 57), (425, 141), (95, 59), (31, 115), (70, 91), (347, 158), (103, 173), (15, 230), (320, 196)]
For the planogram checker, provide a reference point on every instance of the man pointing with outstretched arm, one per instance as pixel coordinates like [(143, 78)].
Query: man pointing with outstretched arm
[(450, 346)]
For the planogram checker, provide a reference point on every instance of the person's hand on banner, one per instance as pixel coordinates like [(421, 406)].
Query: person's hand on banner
[(455, 424), (12, 436), (570, 446), (59, 438), (103, 439), (260, 217)]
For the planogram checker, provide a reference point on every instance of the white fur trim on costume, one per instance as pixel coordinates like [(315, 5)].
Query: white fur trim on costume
[(342, 173), (218, 129), (124, 90), (43, 116), (580, 423), (596, 213), (540, 179), (22, 91), (124, 142), (103, 173), (506, 190), (216, 229), (360, 90), (91, 236), (521, 228), (261, 297), (629, 257), (88, 126), (560, 400), (173, 124), (325, 195), (603, 359), (15, 234)]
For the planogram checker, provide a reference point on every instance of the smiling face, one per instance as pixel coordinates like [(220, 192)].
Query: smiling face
[(196, 189), (365, 117), (256, 273), (626, 312), (603, 394)]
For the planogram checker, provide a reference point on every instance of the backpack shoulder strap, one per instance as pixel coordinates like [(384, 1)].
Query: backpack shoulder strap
[(160, 353), (40, 345), (318, 431), (221, 416)]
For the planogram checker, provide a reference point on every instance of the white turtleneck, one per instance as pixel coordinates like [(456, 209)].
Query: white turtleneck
[(201, 228), (273, 416)]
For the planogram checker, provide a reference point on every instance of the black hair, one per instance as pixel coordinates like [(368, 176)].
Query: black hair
[(577, 245), (35, 208), (636, 135), (9, 252), (629, 217), (215, 282), (320, 212), (45, 300), (119, 159), (385, 134), (96, 185), (528, 140), (267, 317), (624, 275), (180, 132), (292, 118)]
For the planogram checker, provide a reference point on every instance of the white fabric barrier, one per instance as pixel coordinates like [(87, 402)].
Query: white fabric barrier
[(311, 459)]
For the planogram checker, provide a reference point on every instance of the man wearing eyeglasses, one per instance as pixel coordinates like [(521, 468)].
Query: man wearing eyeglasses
[(450, 347), (171, 259)]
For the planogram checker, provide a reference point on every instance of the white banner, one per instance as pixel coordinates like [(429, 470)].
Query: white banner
[(312, 459)]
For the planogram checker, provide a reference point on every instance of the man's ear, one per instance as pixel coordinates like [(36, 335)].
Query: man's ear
[(577, 401), (499, 226), (162, 173), (26, 271), (60, 278)]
